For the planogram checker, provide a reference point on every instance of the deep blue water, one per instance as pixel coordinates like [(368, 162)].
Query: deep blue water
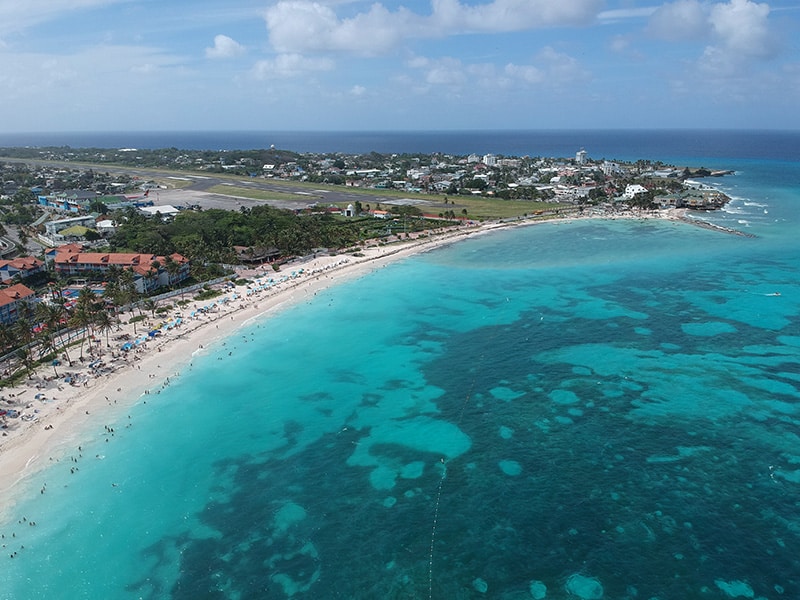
[(598, 409), (665, 145)]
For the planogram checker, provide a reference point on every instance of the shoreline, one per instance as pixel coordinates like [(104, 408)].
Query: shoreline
[(59, 415), (62, 414)]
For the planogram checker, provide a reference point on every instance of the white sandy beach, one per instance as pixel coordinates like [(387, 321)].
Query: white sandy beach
[(56, 415), (59, 415)]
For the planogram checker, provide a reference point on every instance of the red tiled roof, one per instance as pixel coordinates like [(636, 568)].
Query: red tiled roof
[(22, 262), (69, 249), (109, 258), (14, 293)]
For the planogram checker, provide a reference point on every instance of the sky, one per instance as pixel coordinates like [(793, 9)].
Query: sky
[(335, 65)]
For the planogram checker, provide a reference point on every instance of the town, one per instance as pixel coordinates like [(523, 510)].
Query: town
[(129, 224)]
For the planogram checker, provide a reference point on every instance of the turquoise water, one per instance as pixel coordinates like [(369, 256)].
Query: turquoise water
[(596, 409)]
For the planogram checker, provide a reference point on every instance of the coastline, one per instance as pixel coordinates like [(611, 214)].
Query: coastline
[(62, 414), (59, 415)]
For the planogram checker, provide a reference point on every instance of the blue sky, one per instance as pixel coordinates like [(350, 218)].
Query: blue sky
[(141, 65)]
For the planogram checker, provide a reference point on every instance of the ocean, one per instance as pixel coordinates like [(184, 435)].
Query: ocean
[(665, 145), (596, 409)]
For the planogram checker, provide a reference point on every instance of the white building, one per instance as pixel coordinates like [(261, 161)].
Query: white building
[(580, 157), (167, 211), (632, 190), (610, 169)]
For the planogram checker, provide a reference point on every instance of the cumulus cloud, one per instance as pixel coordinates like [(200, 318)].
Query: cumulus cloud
[(737, 26), (307, 25), (289, 65), (302, 26), (681, 20), (224, 47), (742, 27)]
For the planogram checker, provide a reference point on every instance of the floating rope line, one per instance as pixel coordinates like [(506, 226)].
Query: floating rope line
[(433, 530), (441, 481)]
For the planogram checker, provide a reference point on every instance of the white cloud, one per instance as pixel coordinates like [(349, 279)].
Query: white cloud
[(289, 65), (512, 15), (627, 13), (358, 90), (561, 69), (447, 72), (681, 20), (308, 26), (737, 26), (549, 69), (742, 27), (302, 26), (526, 73), (224, 47)]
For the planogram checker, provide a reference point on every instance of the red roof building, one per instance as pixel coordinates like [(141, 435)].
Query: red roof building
[(150, 270), (12, 299), (22, 266)]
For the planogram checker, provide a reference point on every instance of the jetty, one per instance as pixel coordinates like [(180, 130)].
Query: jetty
[(714, 227)]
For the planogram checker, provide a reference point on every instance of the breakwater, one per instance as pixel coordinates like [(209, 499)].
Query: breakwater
[(714, 226)]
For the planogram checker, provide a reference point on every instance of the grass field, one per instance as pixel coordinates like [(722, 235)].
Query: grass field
[(256, 194)]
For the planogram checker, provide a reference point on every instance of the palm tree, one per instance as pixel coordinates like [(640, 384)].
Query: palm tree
[(46, 334), (173, 268), (104, 322), (6, 337), (150, 304), (85, 309), (23, 333), (128, 292)]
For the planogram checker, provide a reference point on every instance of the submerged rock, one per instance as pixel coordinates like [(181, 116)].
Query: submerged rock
[(480, 585), (585, 588), (735, 589), (538, 590)]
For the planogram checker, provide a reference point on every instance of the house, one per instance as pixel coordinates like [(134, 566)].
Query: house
[(69, 200), (150, 271), (105, 226), (22, 266), (632, 190), (12, 299)]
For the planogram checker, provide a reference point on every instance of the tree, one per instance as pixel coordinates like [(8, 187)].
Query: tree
[(104, 321), (149, 304), (23, 332), (85, 310), (128, 291)]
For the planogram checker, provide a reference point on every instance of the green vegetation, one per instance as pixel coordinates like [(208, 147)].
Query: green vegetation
[(256, 194), (482, 207)]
